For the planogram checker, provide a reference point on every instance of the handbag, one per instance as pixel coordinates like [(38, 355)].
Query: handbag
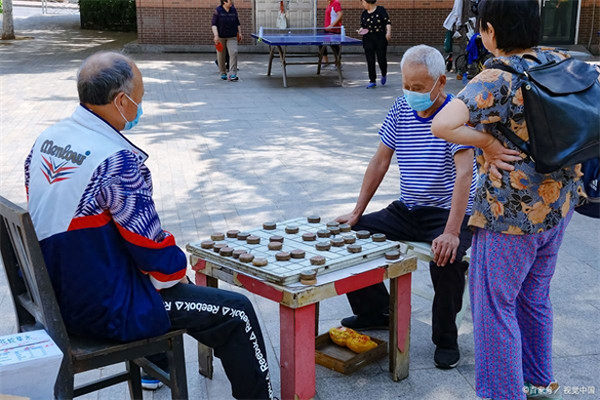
[(562, 111)]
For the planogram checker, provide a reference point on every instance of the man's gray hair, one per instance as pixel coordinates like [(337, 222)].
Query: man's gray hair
[(428, 56), (102, 76)]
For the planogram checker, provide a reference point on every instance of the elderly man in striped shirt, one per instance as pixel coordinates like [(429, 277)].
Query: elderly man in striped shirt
[(437, 182)]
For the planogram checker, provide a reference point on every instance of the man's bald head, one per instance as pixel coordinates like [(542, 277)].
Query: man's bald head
[(103, 75)]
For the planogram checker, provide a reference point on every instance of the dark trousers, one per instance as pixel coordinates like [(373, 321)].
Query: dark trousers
[(334, 47), (375, 45), (421, 224), (225, 321)]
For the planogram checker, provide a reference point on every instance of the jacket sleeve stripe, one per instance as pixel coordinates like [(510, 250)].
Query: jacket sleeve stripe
[(163, 281), (143, 241), (162, 285), (92, 221)]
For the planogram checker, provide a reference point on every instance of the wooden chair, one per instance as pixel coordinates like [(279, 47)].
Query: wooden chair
[(36, 308)]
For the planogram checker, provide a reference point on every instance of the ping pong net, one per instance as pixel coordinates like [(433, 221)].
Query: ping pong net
[(266, 32)]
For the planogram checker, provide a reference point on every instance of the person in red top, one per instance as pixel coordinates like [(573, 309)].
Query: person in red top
[(333, 20)]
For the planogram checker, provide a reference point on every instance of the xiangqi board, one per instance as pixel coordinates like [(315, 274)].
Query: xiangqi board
[(301, 247)]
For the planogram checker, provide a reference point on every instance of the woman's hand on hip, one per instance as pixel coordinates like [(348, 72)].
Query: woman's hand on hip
[(497, 157)]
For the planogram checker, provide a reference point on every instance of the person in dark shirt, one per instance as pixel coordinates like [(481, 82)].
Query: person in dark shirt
[(227, 31), (376, 28)]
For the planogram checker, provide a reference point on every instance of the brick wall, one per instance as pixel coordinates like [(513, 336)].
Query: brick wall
[(588, 25), (169, 25), (187, 22)]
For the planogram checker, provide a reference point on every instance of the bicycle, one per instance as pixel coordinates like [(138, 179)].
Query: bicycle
[(461, 63)]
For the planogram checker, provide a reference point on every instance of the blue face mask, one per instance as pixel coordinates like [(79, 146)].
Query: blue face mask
[(420, 101), (131, 124)]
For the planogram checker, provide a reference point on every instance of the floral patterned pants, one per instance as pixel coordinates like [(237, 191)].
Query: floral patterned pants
[(512, 315)]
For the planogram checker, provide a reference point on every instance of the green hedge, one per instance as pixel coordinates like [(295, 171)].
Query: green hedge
[(111, 15), (0, 6)]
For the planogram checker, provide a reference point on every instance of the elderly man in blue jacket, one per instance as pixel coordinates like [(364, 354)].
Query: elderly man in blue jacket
[(116, 273)]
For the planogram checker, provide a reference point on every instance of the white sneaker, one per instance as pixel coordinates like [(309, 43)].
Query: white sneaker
[(149, 383)]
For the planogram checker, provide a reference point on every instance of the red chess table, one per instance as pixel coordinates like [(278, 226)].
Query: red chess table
[(298, 309)]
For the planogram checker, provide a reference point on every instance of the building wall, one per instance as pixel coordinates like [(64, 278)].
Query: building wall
[(589, 23), (187, 22), (413, 21)]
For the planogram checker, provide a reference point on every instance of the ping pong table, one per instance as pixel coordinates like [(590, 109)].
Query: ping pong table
[(280, 39)]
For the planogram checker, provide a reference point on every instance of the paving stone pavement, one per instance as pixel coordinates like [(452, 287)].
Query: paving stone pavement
[(230, 155)]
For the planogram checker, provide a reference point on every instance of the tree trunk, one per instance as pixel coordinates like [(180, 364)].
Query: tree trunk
[(8, 27)]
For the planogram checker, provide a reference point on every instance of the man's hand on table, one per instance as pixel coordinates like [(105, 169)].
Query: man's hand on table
[(350, 219), (444, 248)]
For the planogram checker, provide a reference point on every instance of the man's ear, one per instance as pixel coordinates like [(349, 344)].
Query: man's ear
[(443, 81), (119, 99)]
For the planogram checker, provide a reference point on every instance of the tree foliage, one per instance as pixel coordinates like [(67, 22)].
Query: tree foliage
[(112, 15)]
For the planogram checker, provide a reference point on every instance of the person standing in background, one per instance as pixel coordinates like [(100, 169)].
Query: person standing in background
[(227, 33), (333, 20), (376, 29), (560, 18)]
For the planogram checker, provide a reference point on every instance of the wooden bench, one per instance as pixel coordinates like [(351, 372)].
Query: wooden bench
[(422, 250)]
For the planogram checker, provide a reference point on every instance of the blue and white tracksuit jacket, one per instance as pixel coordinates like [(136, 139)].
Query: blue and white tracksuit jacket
[(90, 198)]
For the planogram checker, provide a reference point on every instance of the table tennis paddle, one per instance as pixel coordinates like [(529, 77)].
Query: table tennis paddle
[(219, 46)]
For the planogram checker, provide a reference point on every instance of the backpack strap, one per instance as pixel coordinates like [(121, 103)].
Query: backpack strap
[(517, 141), (506, 131), (504, 67)]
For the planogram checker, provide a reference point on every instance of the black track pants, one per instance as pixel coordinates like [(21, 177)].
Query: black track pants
[(225, 321)]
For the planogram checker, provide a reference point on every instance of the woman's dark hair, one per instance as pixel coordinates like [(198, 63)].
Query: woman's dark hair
[(371, 1), (516, 22)]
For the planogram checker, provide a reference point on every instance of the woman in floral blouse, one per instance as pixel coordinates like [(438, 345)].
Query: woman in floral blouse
[(519, 215)]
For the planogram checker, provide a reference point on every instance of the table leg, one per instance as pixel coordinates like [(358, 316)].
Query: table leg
[(205, 353), (321, 51), (338, 64), (317, 319), (271, 55), (297, 354), (283, 63), (400, 326)]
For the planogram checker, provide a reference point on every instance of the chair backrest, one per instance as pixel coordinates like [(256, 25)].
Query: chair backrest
[(28, 279)]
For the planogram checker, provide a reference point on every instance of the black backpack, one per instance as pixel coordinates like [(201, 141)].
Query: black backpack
[(562, 111)]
